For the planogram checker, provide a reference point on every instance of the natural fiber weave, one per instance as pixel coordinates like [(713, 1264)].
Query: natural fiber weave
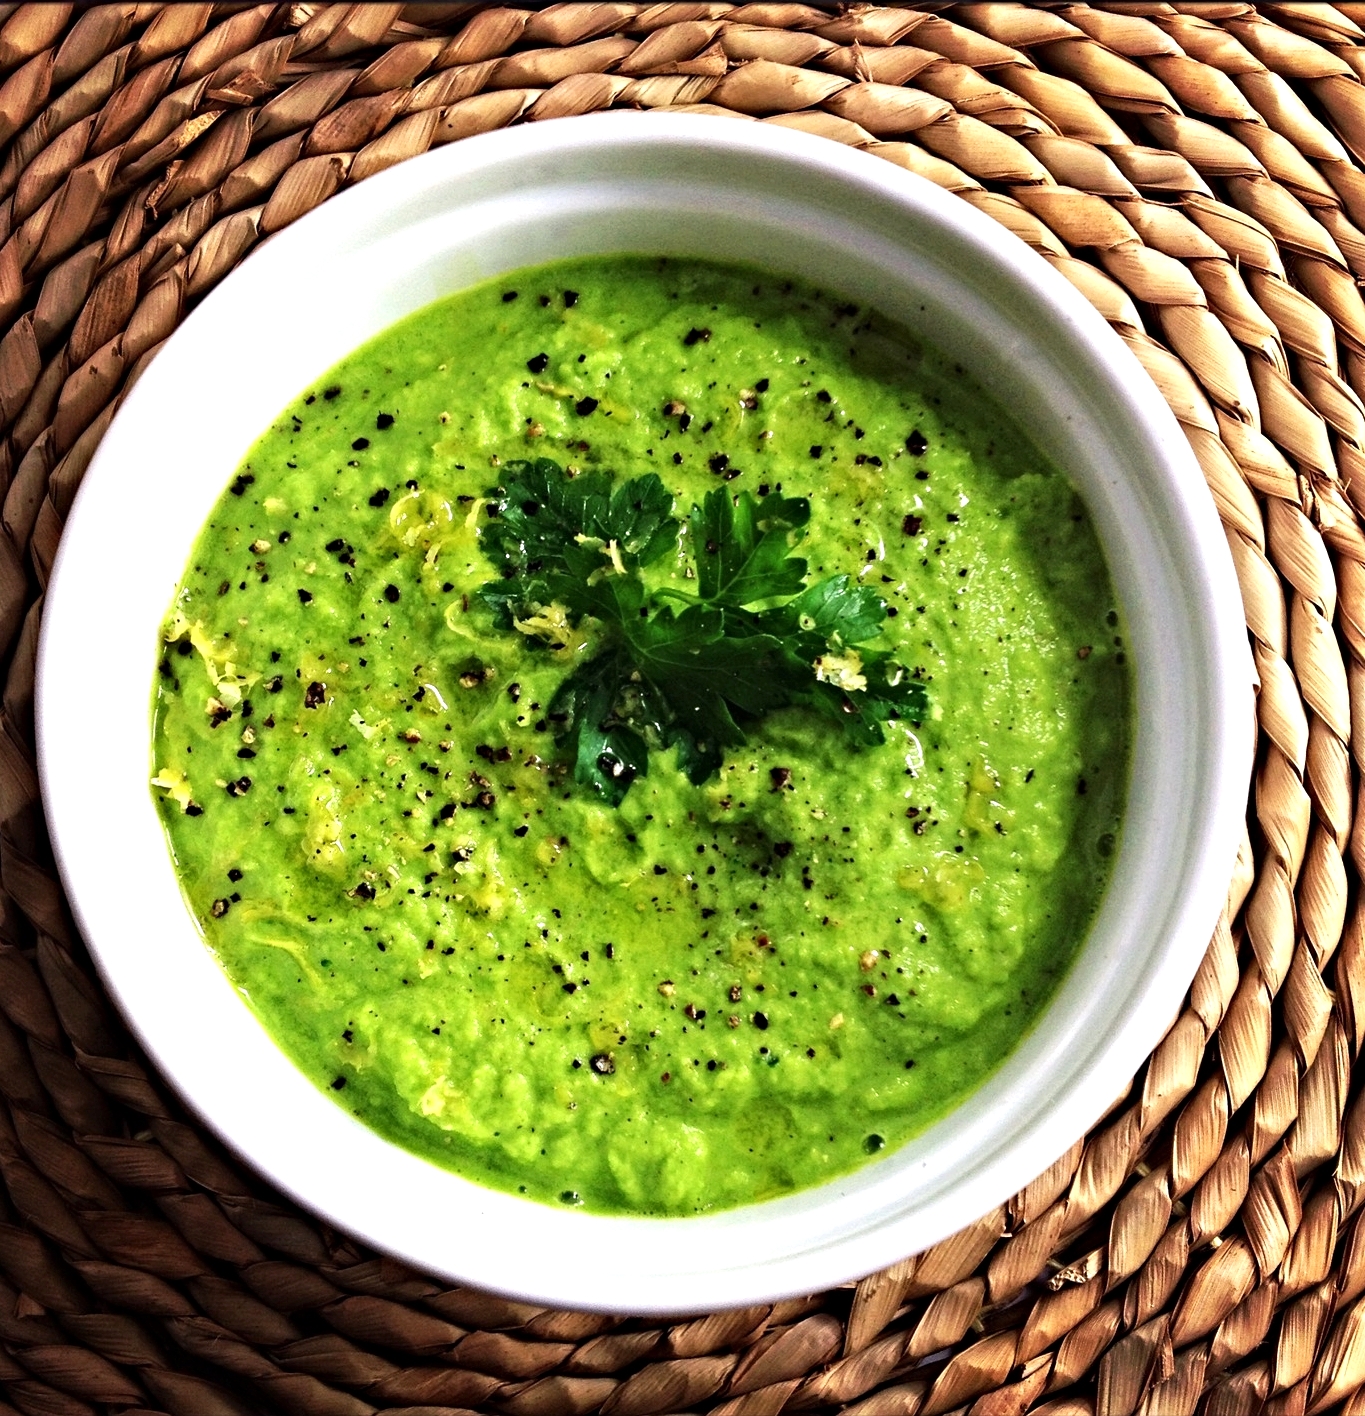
[(1198, 172)]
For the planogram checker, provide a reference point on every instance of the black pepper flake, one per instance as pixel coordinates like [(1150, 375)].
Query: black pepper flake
[(194, 809), (392, 593), (508, 296), (603, 1063), (570, 299), (245, 752), (696, 336), (315, 695), (242, 482), (718, 462), (219, 908), (761, 386), (305, 597), (823, 396), (539, 363), (234, 875), (360, 444), (521, 830), (275, 684), (780, 777), (240, 787), (584, 406), (910, 525), (338, 1084), (380, 497), (916, 444), (363, 891), (761, 1022), (384, 422), (333, 392)]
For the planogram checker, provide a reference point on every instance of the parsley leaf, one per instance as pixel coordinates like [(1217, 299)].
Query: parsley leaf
[(743, 546), (673, 669), (574, 541), (608, 751), (837, 608)]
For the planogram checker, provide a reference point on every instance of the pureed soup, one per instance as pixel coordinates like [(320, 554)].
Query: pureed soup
[(645, 734)]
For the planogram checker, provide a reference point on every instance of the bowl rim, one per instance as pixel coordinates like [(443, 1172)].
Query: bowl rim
[(536, 148)]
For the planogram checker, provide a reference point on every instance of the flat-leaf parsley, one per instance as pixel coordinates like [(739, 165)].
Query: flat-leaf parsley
[(673, 668)]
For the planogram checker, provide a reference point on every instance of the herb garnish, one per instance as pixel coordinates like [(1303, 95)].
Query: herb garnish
[(674, 668)]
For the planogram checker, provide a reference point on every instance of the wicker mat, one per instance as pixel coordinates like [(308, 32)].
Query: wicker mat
[(1198, 172)]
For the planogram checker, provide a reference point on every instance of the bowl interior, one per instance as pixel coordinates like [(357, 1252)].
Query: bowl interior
[(680, 186)]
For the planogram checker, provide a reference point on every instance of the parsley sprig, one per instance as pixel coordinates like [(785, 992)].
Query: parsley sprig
[(681, 668)]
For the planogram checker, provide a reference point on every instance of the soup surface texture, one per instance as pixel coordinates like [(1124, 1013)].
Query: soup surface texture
[(708, 994)]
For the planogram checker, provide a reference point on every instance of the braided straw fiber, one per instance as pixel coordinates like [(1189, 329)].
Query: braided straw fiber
[(1198, 172)]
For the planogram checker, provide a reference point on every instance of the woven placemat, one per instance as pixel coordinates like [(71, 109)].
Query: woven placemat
[(1198, 172)]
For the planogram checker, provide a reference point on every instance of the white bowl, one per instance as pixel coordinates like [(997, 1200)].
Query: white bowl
[(678, 185)]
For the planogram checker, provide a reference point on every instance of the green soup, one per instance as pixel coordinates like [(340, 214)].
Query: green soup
[(708, 994)]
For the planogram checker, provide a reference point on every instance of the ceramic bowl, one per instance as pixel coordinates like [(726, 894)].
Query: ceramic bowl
[(676, 185)]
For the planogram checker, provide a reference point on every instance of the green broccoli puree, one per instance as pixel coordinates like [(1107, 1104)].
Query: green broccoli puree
[(709, 995)]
